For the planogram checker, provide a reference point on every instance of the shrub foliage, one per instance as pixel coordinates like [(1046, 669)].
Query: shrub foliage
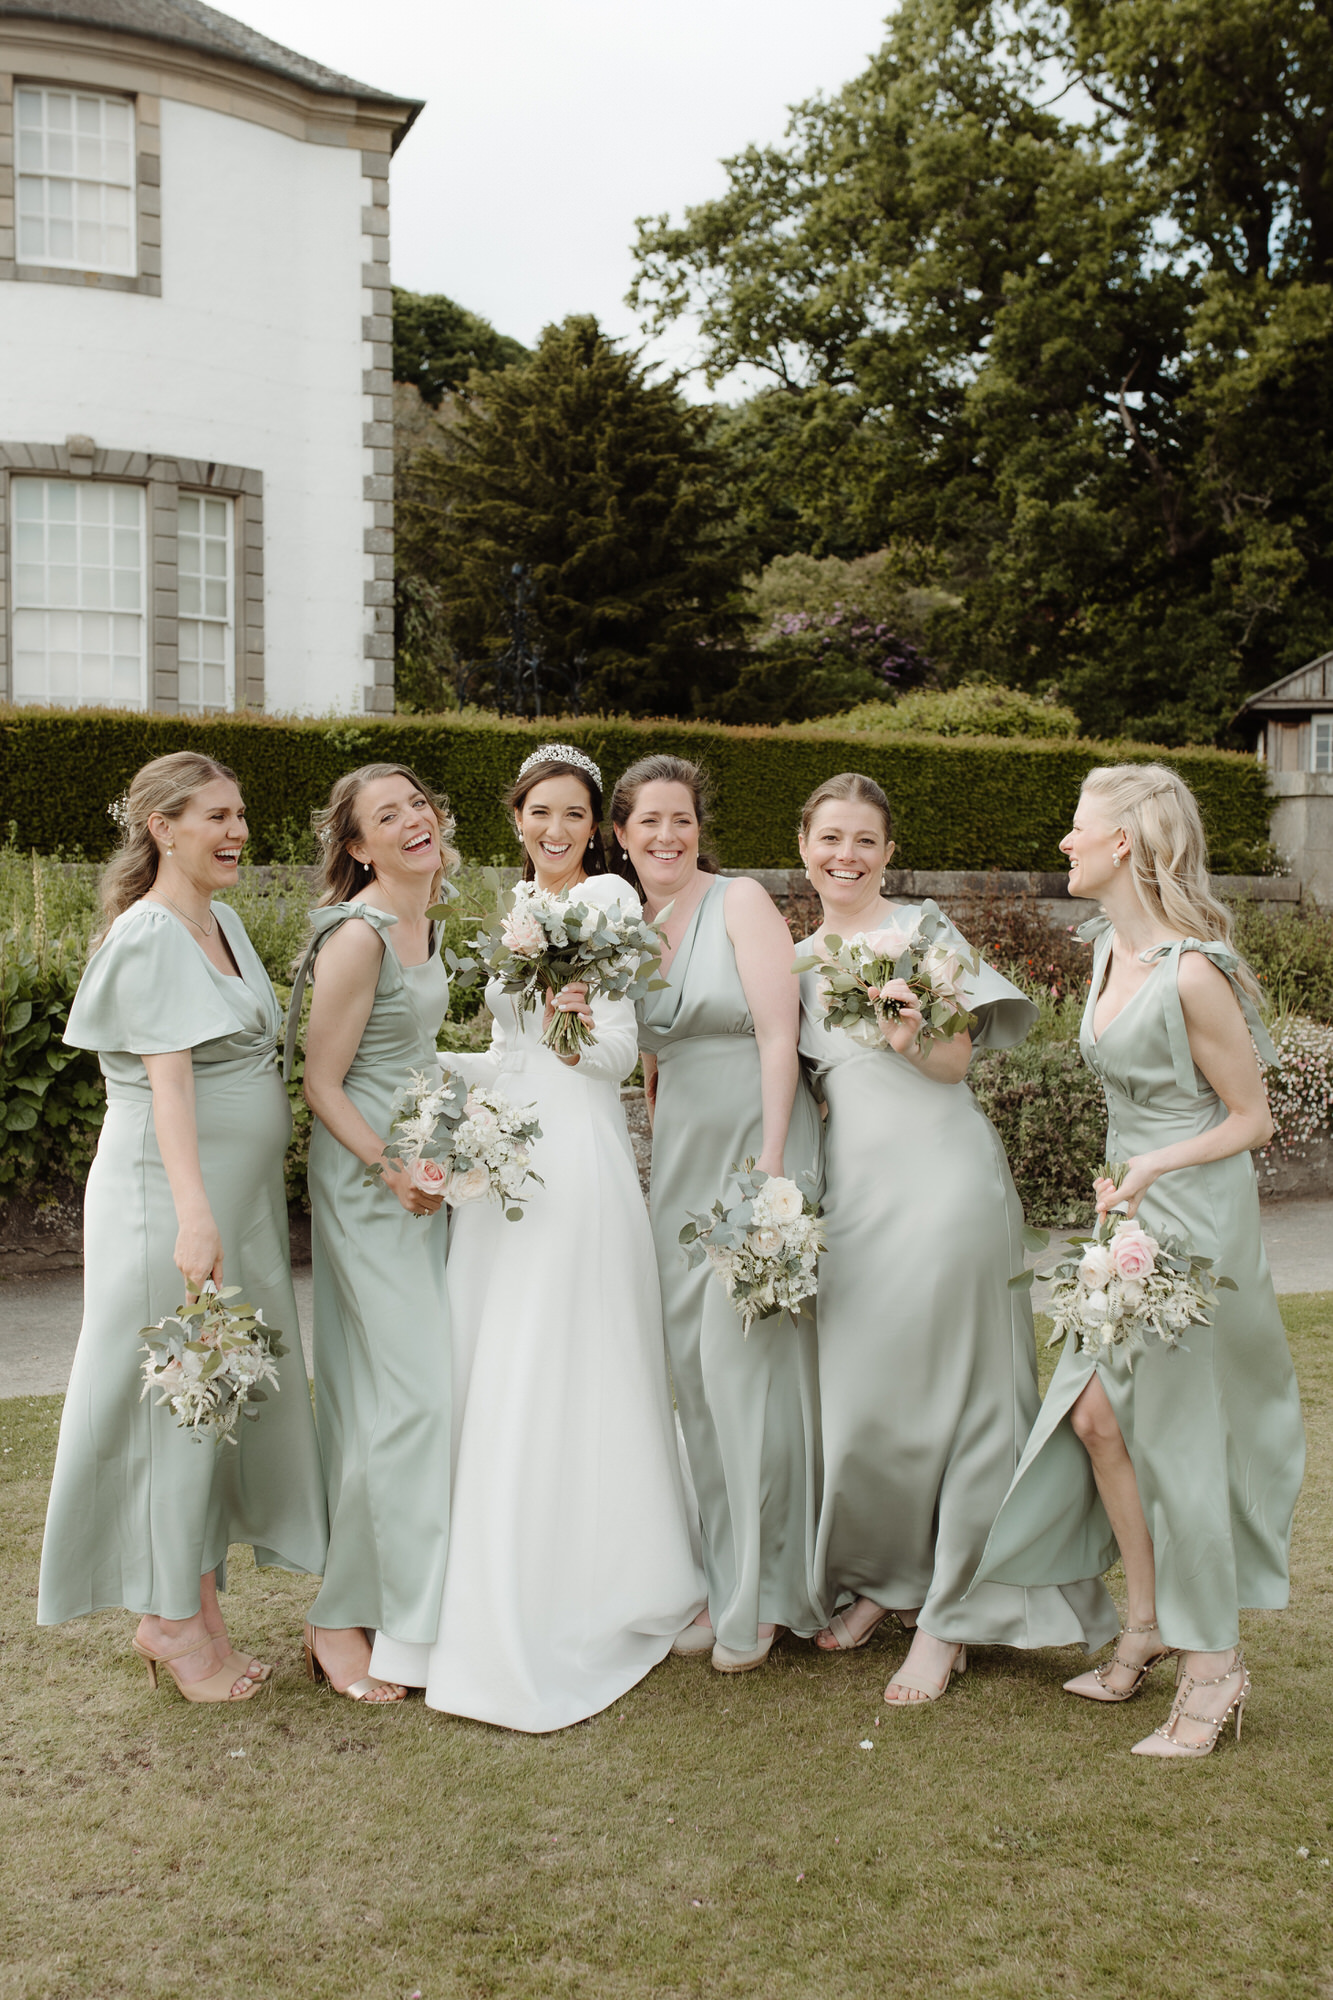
[(958, 803)]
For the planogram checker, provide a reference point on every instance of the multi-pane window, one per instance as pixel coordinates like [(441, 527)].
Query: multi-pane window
[(207, 643), (75, 174), (1321, 743), (79, 597)]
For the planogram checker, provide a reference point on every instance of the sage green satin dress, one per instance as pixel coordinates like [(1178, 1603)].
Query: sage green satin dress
[(1213, 1426), (139, 1508), (383, 1361), (749, 1408), (927, 1361)]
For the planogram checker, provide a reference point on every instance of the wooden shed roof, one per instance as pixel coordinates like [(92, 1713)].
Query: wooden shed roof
[(1311, 686)]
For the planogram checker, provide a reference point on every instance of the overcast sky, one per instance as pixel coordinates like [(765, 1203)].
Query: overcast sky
[(551, 124)]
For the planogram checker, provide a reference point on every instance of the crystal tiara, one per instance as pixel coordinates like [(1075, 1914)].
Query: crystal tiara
[(562, 753)]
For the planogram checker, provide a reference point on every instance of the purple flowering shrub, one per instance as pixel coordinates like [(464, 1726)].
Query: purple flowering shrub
[(850, 636)]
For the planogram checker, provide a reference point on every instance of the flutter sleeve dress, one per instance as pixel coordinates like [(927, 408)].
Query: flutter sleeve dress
[(927, 1360), (1213, 1426), (140, 1509), (749, 1408), (382, 1352)]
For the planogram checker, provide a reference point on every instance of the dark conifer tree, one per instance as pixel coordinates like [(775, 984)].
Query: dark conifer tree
[(602, 486)]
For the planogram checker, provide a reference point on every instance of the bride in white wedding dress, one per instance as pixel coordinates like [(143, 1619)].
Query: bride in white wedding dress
[(570, 1567)]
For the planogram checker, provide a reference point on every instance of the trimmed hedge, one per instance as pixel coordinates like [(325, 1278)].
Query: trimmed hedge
[(959, 803)]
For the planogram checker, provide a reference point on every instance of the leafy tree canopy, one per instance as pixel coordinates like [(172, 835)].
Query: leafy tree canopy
[(437, 344), (602, 487), (1049, 289)]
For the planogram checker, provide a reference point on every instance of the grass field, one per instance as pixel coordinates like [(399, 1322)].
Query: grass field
[(705, 1837)]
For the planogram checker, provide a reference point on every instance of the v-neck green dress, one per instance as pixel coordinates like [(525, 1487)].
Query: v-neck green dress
[(383, 1360), (749, 1408), (140, 1509), (927, 1360), (1213, 1426)]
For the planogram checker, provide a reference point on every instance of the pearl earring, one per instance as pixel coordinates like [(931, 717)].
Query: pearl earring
[(171, 850), (1115, 860)]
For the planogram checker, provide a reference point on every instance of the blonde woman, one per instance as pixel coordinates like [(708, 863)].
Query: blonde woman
[(187, 1185), (382, 1348), (1188, 1465)]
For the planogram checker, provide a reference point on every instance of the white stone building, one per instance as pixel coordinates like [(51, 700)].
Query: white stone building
[(196, 402)]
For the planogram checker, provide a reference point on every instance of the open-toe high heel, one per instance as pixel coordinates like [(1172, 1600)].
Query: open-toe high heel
[(380, 1694), (218, 1686)]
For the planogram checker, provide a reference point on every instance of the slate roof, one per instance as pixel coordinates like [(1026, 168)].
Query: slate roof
[(191, 25)]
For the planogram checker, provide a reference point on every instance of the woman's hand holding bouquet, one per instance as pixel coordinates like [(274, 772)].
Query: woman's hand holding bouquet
[(897, 986), (550, 945), (459, 1144), (1119, 1286)]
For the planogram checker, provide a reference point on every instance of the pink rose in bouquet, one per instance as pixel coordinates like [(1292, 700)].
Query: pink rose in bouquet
[(1133, 1251), (427, 1175), (521, 932)]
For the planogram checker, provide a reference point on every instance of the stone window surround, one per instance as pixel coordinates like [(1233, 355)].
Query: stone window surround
[(163, 478), (58, 53), (147, 196)]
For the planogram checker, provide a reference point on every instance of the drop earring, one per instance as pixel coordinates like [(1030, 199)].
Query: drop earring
[(1115, 860)]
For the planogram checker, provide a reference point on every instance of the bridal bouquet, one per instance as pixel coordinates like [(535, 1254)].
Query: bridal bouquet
[(209, 1360), (547, 941), (464, 1144), (765, 1248), (1120, 1286), (853, 973)]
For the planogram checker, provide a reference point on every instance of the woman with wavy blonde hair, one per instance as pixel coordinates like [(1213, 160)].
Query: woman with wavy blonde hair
[(383, 1359), (1187, 1463), (187, 1186)]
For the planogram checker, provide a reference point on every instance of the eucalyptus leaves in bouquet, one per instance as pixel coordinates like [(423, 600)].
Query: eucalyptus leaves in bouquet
[(466, 1143), (211, 1359), (550, 939), (1121, 1287), (765, 1248), (916, 946)]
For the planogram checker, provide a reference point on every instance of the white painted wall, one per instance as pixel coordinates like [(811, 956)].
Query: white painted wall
[(252, 356)]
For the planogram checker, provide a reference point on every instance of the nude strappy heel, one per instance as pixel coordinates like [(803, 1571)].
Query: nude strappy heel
[(218, 1686), (361, 1690), (844, 1642), (931, 1690), (1102, 1674), (1185, 1687)]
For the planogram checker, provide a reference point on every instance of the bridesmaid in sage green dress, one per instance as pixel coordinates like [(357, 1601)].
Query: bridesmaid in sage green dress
[(724, 1082), (383, 1363), (187, 1185), (1188, 1463), (927, 1364)]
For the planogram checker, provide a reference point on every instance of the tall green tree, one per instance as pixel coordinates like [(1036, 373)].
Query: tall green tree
[(602, 486), (437, 344), (1047, 288)]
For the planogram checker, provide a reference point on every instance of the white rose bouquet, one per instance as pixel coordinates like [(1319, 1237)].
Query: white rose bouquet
[(210, 1360), (765, 1248), (914, 947), (548, 941), (1120, 1286), (465, 1144)]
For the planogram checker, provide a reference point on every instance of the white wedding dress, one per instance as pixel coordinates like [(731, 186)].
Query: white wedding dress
[(570, 1566)]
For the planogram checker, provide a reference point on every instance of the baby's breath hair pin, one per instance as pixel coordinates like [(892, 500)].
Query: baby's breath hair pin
[(119, 811), (562, 753)]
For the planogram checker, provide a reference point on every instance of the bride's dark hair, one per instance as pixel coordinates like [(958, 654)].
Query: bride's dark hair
[(594, 859)]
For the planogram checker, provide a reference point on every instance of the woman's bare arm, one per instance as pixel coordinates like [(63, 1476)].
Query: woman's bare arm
[(764, 952), (342, 995), (198, 1252)]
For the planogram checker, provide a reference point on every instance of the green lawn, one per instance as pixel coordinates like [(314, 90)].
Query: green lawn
[(707, 1836)]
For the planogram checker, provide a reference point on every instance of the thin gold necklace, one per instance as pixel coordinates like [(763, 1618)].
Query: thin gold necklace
[(212, 922)]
